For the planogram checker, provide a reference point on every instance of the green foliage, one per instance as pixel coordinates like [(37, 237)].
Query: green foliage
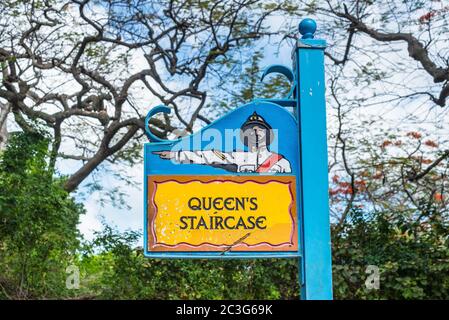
[(38, 222), (413, 258), (113, 269)]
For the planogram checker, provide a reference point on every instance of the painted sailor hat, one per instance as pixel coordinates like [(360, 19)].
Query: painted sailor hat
[(257, 120)]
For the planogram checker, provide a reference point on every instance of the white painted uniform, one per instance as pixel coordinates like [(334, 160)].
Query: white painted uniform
[(245, 161)]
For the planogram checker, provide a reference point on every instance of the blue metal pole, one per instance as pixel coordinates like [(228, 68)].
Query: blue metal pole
[(316, 262)]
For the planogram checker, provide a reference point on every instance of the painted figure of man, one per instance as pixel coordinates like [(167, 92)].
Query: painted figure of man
[(256, 134)]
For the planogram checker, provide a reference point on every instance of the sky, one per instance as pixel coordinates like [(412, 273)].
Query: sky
[(121, 218)]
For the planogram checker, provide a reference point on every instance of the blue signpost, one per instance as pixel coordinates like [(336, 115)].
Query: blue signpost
[(311, 113), (253, 184)]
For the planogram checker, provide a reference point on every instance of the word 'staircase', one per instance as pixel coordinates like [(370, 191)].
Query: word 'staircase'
[(252, 184)]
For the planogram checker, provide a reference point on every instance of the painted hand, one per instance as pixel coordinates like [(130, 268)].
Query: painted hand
[(166, 155)]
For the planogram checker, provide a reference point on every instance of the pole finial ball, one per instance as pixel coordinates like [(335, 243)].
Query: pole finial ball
[(307, 28)]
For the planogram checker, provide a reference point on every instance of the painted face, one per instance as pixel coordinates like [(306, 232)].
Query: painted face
[(260, 133), (256, 137)]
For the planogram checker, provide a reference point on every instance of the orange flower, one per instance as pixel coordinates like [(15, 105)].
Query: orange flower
[(361, 185), (385, 144), (431, 143), (344, 184), (414, 134), (438, 197), (426, 17)]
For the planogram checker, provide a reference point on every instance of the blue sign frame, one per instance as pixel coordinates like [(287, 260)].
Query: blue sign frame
[(305, 147), (289, 148)]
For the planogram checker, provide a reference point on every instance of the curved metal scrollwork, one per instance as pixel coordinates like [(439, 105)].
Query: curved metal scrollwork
[(278, 68), (288, 73), (152, 112)]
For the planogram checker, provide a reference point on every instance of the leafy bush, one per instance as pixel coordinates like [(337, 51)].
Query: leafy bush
[(113, 269), (413, 258), (38, 222)]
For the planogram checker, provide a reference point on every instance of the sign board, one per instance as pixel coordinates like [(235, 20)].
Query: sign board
[(228, 190), (252, 184), (222, 213)]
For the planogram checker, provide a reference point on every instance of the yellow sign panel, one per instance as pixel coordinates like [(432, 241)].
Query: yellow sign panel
[(222, 213)]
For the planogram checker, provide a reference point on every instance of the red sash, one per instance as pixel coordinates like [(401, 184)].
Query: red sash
[(269, 162)]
